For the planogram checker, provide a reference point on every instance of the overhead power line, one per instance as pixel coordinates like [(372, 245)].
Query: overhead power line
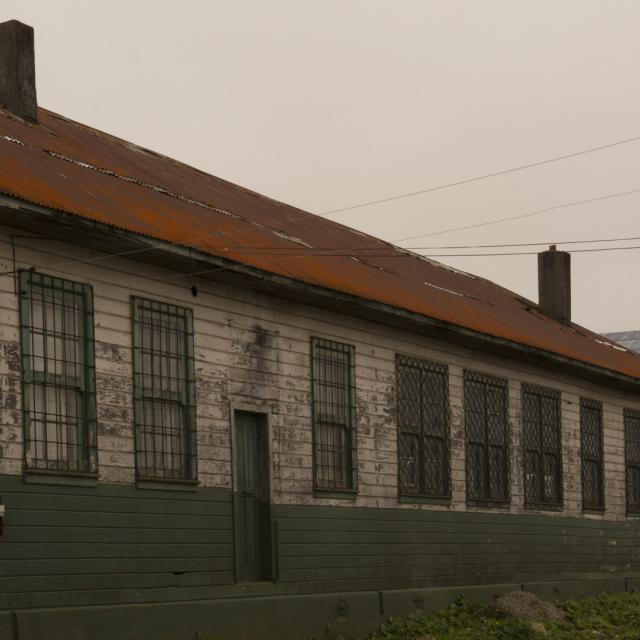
[(538, 212), (485, 176), (523, 244), (352, 250), (395, 254), (369, 245), (523, 253), (270, 250), (407, 255)]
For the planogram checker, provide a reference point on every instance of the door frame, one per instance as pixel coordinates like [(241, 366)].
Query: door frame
[(263, 408)]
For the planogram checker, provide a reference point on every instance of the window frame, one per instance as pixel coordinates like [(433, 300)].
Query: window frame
[(185, 401), (424, 368), (541, 392), (485, 382), (350, 448), (84, 385), (628, 416), (588, 404)]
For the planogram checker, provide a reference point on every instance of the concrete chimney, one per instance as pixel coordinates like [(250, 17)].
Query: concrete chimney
[(18, 70), (554, 284)]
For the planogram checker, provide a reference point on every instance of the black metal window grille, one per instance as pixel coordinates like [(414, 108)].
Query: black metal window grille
[(334, 444), (164, 391), (542, 445), (423, 427), (592, 454), (487, 429), (632, 458), (58, 374)]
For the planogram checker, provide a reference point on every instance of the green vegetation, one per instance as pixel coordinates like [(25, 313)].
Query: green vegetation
[(606, 617)]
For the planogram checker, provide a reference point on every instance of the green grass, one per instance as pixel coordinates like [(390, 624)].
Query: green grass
[(606, 617)]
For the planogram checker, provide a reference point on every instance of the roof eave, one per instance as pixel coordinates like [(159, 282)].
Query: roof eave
[(97, 235)]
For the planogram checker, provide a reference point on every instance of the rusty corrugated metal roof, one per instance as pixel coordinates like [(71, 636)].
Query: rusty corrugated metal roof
[(67, 166)]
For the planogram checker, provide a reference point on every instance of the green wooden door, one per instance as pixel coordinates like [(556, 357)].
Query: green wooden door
[(252, 509)]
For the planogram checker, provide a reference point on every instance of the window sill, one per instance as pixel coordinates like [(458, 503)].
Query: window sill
[(336, 494), (544, 507), (409, 499), (60, 478), (632, 514), (165, 484), (489, 504), (593, 512)]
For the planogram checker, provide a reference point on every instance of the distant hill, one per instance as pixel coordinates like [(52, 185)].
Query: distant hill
[(628, 339)]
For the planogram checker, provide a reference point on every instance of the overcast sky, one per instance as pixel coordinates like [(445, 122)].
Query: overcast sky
[(331, 103)]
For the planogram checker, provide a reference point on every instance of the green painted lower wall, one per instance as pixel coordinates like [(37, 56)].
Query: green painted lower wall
[(75, 545), (127, 562), (399, 548)]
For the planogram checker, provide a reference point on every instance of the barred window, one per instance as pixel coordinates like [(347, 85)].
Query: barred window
[(58, 374), (632, 458), (542, 445), (164, 391), (423, 427), (592, 454), (334, 442), (487, 429)]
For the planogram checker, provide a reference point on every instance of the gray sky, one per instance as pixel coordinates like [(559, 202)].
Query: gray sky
[(330, 103)]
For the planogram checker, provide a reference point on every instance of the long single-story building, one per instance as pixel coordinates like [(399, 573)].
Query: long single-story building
[(223, 416)]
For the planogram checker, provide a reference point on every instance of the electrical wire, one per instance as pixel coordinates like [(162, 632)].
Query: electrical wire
[(523, 253), (329, 251), (400, 253), (573, 203), (358, 248), (522, 244), (494, 174), (406, 255), (538, 212), (266, 250)]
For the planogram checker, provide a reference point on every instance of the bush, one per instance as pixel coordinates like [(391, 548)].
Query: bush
[(606, 617)]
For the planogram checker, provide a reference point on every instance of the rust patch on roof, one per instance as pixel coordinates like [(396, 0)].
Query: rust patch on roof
[(67, 166)]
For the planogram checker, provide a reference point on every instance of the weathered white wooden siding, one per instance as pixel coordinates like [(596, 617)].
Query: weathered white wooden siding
[(252, 350)]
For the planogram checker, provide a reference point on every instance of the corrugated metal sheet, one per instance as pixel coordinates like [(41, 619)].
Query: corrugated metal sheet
[(67, 166)]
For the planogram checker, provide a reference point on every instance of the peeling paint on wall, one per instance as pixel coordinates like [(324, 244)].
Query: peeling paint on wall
[(254, 350)]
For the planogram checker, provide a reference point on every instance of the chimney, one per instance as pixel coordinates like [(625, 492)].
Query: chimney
[(554, 284), (17, 70)]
